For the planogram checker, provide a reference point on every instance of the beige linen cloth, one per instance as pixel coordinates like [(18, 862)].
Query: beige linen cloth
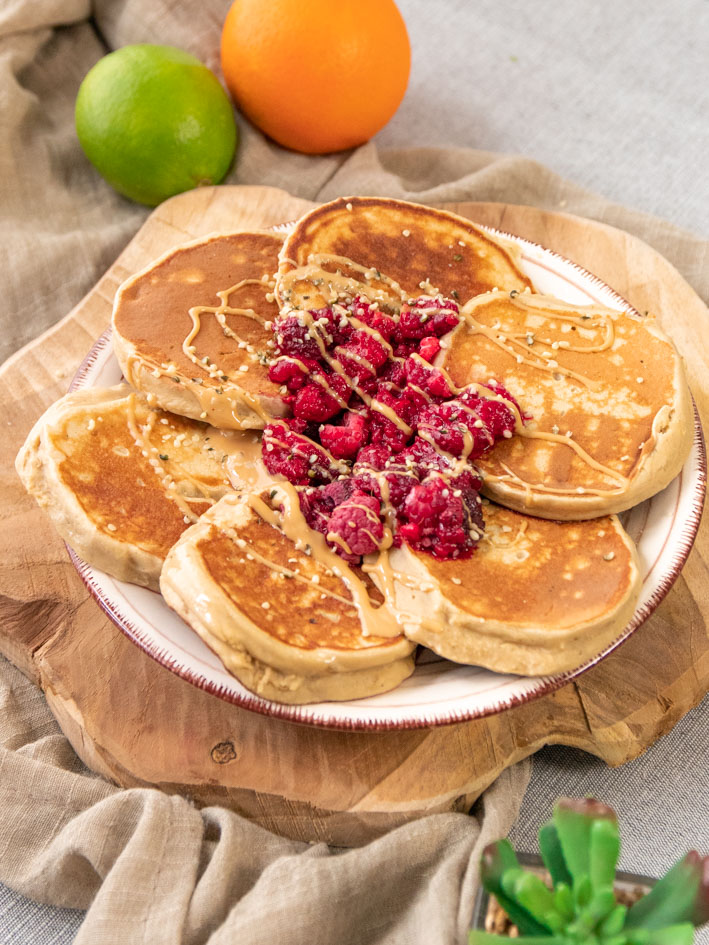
[(150, 868)]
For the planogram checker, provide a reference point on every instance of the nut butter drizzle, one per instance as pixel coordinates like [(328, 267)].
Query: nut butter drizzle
[(240, 458), (383, 621), (220, 312), (338, 285), (549, 364), (379, 621), (543, 361), (141, 434), (210, 398)]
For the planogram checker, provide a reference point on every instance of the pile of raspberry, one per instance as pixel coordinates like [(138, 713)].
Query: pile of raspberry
[(365, 481)]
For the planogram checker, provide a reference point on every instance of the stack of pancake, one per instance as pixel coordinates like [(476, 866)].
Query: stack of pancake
[(160, 481)]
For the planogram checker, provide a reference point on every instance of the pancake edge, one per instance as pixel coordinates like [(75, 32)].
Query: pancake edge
[(266, 666), (498, 646), (508, 246), (37, 468), (183, 398), (233, 413)]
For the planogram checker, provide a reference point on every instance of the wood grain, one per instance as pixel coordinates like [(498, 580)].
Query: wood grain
[(136, 723)]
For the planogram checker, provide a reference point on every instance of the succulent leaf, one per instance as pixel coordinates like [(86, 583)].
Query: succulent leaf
[(527, 924), (604, 847), (614, 922), (582, 892), (573, 819), (701, 903), (529, 891), (679, 934), (681, 895), (619, 939), (552, 854), (497, 859), (580, 849), (555, 922), (602, 904), (564, 901)]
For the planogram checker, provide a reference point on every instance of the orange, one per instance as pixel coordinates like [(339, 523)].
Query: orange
[(155, 121), (316, 75)]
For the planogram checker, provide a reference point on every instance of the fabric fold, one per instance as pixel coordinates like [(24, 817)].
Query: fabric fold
[(151, 868)]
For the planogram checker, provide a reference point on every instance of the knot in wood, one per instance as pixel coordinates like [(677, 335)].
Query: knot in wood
[(223, 753)]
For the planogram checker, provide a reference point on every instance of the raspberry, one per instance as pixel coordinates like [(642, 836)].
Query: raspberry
[(357, 523), (371, 457), (344, 442), (369, 460), (363, 311), (315, 401), (467, 426), (429, 347), (288, 371), (404, 348), (293, 339), (393, 375), (496, 416), (296, 457), (468, 484), (317, 512), (318, 504), (386, 432), (421, 458), (301, 426), (338, 491), (427, 378), (427, 316), (438, 521), (451, 429), (295, 332), (362, 356)]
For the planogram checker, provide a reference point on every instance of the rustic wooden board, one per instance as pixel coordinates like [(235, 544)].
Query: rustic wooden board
[(136, 723)]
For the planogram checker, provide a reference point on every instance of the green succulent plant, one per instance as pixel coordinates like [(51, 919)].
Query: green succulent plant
[(580, 848)]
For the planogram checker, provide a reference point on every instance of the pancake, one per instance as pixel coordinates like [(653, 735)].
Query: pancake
[(121, 480), (193, 328), (424, 251), (274, 611), (536, 597), (611, 411)]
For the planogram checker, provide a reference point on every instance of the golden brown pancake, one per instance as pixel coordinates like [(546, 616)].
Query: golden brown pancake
[(121, 480), (275, 612), (193, 329), (536, 597), (611, 411), (423, 250)]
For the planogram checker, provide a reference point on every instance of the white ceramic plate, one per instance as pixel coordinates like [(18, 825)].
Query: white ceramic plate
[(439, 692)]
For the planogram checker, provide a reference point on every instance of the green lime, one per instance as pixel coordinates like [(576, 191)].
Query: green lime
[(155, 121)]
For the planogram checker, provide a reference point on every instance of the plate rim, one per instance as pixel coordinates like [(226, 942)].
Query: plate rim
[(298, 714)]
